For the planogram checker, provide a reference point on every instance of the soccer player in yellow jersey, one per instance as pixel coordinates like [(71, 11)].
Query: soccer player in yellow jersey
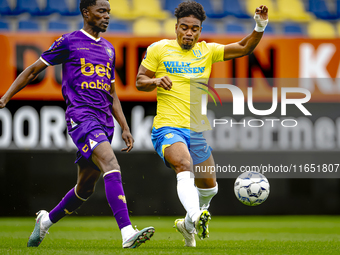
[(168, 66)]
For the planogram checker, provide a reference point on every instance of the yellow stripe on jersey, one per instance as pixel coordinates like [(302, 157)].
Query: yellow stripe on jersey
[(184, 68)]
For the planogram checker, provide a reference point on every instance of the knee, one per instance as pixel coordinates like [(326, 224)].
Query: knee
[(206, 183), (182, 165), (85, 191)]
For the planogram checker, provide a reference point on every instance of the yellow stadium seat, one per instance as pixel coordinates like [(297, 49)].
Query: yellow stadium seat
[(121, 9), (293, 10), (169, 27), (273, 11), (149, 8), (147, 27), (321, 29), (338, 28)]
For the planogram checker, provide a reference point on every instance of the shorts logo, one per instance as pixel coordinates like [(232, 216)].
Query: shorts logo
[(197, 53), (85, 148), (92, 143), (122, 198), (170, 135), (97, 135)]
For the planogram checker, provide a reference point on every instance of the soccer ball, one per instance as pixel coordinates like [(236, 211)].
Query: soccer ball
[(251, 188)]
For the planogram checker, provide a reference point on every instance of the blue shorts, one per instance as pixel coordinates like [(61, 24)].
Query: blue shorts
[(87, 136), (163, 137)]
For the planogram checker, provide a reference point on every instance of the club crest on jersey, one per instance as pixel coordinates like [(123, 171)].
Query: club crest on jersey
[(197, 53), (109, 52)]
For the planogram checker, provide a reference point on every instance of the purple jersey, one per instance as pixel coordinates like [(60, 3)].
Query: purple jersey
[(88, 71)]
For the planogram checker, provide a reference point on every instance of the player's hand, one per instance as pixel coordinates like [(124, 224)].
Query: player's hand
[(164, 82), (262, 11), (128, 139)]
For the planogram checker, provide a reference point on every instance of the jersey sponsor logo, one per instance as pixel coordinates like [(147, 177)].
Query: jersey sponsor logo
[(182, 67), (109, 52), (89, 69), (197, 53), (170, 135)]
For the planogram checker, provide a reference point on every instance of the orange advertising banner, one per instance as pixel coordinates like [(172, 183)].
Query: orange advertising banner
[(316, 64)]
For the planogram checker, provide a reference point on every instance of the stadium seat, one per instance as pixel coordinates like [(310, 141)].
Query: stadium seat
[(30, 6), (149, 8), (235, 8), (292, 29), (235, 28), (210, 11), (58, 26), (146, 27), (119, 26), (209, 28), (270, 29), (322, 11), (275, 14), (61, 7), (4, 26), (170, 5), (293, 10), (121, 9), (75, 11), (338, 28), (321, 29), (169, 27), (4, 8), (28, 25)]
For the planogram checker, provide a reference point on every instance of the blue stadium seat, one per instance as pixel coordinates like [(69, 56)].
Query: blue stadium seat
[(58, 26), (235, 8), (209, 10), (235, 28), (292, 29), (119, 26), (53, 6), (28, 25), (170, 5), (321, 10), (270, 30), (76, 11), (209, 28), (4, 25), (30, 6), (4, 8)]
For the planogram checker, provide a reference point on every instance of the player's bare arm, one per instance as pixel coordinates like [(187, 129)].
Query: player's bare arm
[(247, 45), (27, 76), (146, 82), (118, 114)]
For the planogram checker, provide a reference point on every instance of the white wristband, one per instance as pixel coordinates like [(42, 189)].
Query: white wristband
[(260, 23)]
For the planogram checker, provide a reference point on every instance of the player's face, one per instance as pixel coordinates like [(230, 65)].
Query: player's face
[(99, 15), (188, 30)]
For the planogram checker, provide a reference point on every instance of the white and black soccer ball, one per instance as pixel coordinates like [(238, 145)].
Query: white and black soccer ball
[(251, 188)]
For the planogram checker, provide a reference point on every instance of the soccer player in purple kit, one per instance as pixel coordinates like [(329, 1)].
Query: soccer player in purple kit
[(88, 88)]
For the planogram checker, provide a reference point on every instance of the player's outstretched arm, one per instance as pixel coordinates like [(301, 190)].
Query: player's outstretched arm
[(146, 82), (247, 45), (118, 114), (28, 75)]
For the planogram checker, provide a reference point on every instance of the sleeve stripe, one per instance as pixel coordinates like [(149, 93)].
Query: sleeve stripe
[(45, 62)]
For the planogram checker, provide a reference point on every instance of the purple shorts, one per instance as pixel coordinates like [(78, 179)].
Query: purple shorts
[(87, 135)]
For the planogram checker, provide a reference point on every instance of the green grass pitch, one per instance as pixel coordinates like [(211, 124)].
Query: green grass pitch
[(228, 235)]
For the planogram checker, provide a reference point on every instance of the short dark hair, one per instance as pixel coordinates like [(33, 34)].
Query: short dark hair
[(185, 9), (86, 3)]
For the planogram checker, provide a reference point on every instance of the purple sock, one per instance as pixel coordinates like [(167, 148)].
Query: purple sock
[(67, 205), (116, 198)]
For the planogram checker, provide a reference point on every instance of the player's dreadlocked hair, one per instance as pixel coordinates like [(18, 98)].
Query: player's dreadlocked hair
[(185, 9), (86, 3)]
